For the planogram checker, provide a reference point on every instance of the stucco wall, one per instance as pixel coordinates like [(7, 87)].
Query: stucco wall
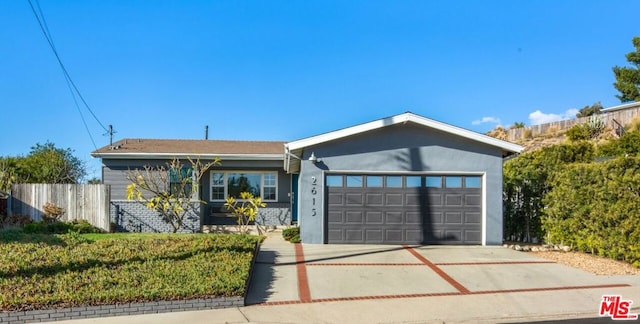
[(399, 148)]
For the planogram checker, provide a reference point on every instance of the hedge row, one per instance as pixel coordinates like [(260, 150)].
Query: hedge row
[(594, 207)]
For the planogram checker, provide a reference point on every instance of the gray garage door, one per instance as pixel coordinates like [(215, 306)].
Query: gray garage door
[(399, 209)]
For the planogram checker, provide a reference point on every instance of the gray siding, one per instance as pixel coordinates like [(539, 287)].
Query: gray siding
[(114, 173), (400, 148)]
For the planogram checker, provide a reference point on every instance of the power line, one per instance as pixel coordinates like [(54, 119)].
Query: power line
[(72, 86)]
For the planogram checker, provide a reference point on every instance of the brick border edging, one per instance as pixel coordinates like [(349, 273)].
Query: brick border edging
[(167, 306)]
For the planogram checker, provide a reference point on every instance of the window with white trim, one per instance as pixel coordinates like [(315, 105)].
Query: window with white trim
[(232, 183)]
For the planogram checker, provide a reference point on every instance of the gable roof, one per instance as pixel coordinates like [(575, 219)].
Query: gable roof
[(295, 148), (169, 148)]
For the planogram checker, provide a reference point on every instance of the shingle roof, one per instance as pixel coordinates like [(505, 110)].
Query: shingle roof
[(180, 147)]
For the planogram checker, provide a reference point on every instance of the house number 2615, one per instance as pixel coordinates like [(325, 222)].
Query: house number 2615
[(314, 192)]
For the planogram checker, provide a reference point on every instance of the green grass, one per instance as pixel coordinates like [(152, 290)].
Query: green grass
[(46, 271)]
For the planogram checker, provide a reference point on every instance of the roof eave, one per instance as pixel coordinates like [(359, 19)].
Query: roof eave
[(164, 156), (402, 118)]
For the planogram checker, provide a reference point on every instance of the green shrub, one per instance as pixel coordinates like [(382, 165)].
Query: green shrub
[(627, 144), (35, 227), (594, 208), (14, 220), (82, 226), (79, 225), (579, 132), (289, 233), (295, 239)]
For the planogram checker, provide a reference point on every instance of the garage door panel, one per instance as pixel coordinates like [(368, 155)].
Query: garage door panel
[(413, 218), (412, 200), (374, 218), (335, 217), (374, 236), (472, 200), (374, 199), (472, 236), (354, 217), (393, 218), (393, 200), (335, 199), (354, 235), (434, 199), (413, 236), (452, 235), (453, 218), (436, 218), (335, 235), (354, 199), (393, 235), (472, 218), (453, 200), (432, 236)]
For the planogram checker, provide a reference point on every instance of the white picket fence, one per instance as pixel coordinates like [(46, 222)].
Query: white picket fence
[(80, 201)]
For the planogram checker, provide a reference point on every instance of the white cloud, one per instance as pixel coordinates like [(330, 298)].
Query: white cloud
[(485, 120), (538, 117)]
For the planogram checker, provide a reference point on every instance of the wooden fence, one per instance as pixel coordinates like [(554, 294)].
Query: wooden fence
[(80, 201), (621, 116)]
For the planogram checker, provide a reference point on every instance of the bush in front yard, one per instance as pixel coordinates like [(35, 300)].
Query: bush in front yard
[(78, 225), (292, 234)]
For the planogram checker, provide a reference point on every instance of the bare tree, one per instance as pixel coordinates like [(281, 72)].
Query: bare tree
[(169, 189)]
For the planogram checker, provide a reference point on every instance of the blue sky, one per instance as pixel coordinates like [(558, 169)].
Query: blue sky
[(285, 70)]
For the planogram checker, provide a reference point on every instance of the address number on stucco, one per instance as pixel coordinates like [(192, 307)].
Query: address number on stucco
[(314, 191)]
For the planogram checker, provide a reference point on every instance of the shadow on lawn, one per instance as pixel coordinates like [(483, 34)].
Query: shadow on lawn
[(17, 236), (51, 270)]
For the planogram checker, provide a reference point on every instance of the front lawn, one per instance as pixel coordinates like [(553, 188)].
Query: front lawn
[(40, 271)]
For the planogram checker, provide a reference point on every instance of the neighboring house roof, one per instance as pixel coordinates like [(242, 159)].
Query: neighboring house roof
[(170, 148), (295, 148), (620, 107)]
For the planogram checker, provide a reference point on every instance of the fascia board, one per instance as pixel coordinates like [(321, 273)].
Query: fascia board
[(402, 118)]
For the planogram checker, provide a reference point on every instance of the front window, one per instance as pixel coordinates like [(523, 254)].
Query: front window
[(231, 184), (180, 181)]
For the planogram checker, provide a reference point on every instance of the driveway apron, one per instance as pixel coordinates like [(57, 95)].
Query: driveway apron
[(288, 273)]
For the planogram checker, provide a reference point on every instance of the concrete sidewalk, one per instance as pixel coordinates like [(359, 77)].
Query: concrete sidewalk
[(408, 284), (490, 308)]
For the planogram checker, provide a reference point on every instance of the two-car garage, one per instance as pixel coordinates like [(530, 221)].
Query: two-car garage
[(405, 179), (403, 208)]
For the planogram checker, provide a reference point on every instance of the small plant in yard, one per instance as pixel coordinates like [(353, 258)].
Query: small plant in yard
[(79, 225), (14, 220), (292, 234), (244, 210), (52, 212)]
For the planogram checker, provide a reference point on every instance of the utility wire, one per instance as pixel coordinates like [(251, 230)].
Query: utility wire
[(47, 34), (72, 86), (45, 31)]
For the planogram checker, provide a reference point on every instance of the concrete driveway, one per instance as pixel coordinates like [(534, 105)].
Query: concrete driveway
[(289, 274)]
